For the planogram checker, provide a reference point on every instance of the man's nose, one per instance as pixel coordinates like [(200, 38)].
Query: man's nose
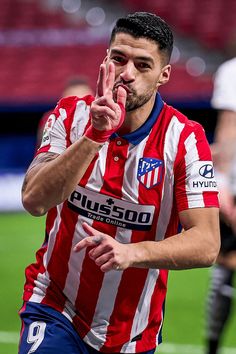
[(128, 72)]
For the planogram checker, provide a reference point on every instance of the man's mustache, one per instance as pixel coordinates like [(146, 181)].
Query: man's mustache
[(124, 85)]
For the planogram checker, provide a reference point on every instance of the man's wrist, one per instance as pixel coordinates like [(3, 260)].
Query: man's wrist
[(98, 136), (96, 145)]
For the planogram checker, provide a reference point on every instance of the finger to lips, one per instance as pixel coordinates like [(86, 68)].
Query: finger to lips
[(121, 96)]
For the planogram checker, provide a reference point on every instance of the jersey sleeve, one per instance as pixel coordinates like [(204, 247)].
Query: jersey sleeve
[(57, 131), (195, 184)]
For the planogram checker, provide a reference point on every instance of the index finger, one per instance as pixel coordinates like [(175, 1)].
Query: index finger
[(90, 241), (101, 81), (110, 80)]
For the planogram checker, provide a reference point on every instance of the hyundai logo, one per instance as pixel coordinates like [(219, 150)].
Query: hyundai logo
[(207, 171)]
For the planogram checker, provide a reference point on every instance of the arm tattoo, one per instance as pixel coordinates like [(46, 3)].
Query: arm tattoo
[(41, 158)]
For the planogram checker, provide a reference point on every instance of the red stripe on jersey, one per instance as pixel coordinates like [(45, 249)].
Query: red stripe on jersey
[(127, 299), (88, 172), (58, 263), (115, 164), (211, 200), (156, 314), (173, 225), (51, 216), (90, 272), (32, 272), (34, 269)]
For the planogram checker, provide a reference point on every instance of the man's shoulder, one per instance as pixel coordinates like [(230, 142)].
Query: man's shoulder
[(181, 118), (72, 101), (68, 106)]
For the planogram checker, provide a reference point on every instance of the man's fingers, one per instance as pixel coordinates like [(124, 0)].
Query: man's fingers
[(110, 80), (90, 241), (121, 96), (101, 81), (90, 230), (94, 239)]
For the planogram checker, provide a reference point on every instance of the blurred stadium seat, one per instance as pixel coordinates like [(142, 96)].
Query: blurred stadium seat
[(36, 46)]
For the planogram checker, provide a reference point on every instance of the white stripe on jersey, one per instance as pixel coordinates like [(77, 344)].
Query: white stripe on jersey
[(57, 135), (81, 118), (170, 150), (140, 320), (160, 328), (131, 347), (68, 312), (95, 181), (75, 262), (130, 188)]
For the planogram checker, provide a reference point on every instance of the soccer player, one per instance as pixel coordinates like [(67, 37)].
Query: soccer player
[(116, 174), (221, 292)]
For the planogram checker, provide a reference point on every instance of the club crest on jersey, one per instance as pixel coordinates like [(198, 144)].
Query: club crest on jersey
[(150, 171)]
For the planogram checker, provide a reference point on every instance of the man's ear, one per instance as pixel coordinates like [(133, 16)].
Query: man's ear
[(164, 76), (106, 57)]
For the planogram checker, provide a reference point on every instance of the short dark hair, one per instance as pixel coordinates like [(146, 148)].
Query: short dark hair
[(147, 25)]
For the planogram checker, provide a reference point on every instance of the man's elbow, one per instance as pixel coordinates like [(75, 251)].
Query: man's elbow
[(32, 206), (210, 254)]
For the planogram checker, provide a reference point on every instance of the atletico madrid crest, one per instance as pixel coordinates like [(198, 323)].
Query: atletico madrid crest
[(150, 171)]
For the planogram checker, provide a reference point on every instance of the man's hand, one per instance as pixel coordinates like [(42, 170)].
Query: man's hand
[(106, 114), (106, 252)]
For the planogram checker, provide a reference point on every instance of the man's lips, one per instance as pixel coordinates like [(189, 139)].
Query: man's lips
[(124, 86)]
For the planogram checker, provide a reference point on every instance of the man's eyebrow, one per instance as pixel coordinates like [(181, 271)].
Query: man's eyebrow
[(143, 58)]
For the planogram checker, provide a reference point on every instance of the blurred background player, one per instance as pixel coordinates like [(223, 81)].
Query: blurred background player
[(221, 292), (75, 86)]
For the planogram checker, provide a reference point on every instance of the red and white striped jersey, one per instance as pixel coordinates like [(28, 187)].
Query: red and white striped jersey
[(133, 191)]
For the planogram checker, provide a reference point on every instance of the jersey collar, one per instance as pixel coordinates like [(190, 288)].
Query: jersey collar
[(141, 133)]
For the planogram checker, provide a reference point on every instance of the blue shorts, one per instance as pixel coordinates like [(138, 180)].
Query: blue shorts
[(47, 331)]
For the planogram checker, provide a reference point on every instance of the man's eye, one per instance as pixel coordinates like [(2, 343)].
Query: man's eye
[(144, 65), (117, 59)]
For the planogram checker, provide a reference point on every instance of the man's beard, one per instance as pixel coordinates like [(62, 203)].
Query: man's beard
[(134, 101)]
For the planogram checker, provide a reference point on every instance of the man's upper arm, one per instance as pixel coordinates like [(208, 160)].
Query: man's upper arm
[(38, 162), (202, 218), (203, 226)]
